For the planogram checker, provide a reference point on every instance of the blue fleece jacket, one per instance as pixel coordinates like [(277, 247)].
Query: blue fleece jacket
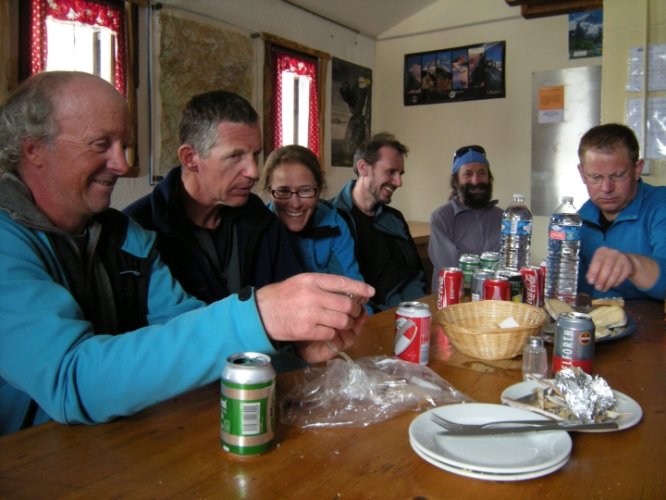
[(640, 228), (326, 244), (50, 353)]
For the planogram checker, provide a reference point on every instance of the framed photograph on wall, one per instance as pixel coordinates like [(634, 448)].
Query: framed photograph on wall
[(457, 74), (586, 30), (351, 98)]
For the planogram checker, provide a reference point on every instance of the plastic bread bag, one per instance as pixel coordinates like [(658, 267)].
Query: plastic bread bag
[(363, 392)]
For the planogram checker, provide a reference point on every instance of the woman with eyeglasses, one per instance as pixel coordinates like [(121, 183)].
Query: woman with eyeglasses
[(293, 180)]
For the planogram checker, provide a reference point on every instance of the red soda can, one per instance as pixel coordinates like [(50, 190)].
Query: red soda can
[(412, 332), (515, 281), (496, 288), (544, 271), (449, 286), (574, 342), (532, 285)]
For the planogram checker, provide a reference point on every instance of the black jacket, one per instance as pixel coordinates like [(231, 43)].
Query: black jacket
[(266, 251)]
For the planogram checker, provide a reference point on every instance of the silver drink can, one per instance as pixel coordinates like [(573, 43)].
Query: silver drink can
[(478, 279), (247, 404), (574, 342)]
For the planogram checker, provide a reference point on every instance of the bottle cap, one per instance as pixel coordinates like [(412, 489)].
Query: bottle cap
[(535, 341)]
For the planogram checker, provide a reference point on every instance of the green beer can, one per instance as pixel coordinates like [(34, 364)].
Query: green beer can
[(489, 261), (469, 263), (247, 404)]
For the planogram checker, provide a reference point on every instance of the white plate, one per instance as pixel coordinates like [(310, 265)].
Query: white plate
[(487, 476), (506, 453), (632, 410)]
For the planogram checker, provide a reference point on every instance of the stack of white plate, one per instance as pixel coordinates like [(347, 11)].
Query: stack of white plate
[(505, 457)]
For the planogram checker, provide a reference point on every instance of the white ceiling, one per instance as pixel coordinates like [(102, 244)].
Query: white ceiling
[(368, 17)]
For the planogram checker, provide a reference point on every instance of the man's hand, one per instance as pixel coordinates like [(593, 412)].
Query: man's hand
[(610, 267), (318, 351), (314, 307)]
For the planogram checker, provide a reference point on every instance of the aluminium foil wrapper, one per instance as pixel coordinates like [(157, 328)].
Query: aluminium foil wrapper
[(587, 397)]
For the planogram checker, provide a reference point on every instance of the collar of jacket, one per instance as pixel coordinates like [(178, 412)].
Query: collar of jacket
[(459, 206)]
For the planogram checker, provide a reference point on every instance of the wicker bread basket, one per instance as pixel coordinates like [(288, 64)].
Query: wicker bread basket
[(473, 327)]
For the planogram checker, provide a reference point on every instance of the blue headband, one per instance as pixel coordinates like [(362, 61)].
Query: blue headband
[(470, 156)]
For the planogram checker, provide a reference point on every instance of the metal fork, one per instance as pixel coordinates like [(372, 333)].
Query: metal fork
[(455, 426)]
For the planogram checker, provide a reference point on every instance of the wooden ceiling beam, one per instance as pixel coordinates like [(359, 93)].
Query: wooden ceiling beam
[(531, 9)]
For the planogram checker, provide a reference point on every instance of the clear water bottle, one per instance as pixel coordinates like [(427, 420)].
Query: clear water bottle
[(564, 233), (535, 359), (516, 235)]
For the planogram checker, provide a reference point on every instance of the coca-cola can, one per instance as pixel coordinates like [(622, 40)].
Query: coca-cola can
[(532, 285), (478, 280), (496, 288), (412, 332), (574, 342), (544, 273), (516, 282), (449, 286)]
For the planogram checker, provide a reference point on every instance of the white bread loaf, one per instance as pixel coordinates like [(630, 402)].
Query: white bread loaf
[(608, 301), (608, 317), (556, 306)]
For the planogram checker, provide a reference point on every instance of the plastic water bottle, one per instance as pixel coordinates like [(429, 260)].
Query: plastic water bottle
[(516, 235), (535, 359), (564, 233)]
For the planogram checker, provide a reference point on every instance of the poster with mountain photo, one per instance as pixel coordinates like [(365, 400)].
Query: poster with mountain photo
[(586, 33), (350, 110)]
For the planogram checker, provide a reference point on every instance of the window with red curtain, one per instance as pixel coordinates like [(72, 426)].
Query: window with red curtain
[(300, 65), (100, 13)]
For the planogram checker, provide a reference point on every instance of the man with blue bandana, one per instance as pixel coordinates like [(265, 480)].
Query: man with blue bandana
[(470, 221)]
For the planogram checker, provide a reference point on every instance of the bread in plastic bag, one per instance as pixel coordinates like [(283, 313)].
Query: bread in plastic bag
[(363, 392)]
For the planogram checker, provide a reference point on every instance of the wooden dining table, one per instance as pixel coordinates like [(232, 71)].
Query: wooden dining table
[(173, 449)]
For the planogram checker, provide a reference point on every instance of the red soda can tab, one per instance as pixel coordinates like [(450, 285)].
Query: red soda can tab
[(532, 285), (496, 288), (449, 286), (574, 342), (412, 332)]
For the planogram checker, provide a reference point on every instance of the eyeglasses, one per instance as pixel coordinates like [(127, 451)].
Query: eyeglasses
[(466, 149), (596, 179), (285, 194)]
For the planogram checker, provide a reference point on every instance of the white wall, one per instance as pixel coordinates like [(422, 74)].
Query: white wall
[(271, 16), (503, 126), (432, 132)]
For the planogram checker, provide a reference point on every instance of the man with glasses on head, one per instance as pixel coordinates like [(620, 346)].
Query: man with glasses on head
[(385, 251), (470, 221), (623, 248), (215, 235)]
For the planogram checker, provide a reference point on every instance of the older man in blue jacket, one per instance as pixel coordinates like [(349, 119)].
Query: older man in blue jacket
[(94, 326)]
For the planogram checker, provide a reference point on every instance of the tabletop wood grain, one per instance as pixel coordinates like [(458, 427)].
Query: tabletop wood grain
[(173, 449)]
